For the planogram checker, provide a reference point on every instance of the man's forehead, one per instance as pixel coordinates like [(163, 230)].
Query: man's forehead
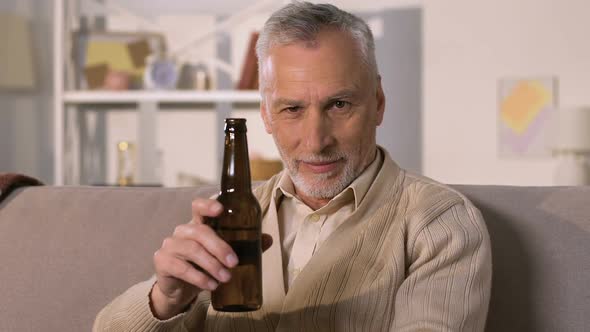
[(312, 40), (317, 40), (303, 95), (296, 62), (331, 65)]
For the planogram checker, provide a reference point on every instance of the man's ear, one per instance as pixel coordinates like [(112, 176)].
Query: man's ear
[(265, 116), (380, 101)]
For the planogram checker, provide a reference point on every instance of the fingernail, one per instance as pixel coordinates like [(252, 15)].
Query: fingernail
[(212, 285), (216, 208), (231, 260), (224, 275)]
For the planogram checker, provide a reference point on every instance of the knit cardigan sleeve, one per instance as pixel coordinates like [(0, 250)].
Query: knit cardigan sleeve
[(448, 277), (131, 312)]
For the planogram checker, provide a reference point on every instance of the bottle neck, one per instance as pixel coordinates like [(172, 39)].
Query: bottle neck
[(235, 176)]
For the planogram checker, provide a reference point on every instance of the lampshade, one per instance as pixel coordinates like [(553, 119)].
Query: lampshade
[(16, 60), (572, 130)]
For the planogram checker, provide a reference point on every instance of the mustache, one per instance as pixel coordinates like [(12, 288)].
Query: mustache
[(321, 157)]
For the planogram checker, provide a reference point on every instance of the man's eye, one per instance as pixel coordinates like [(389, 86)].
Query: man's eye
[(341, 104), (292, 109)]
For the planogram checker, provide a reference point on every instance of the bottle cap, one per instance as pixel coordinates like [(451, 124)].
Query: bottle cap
[(235, 125)]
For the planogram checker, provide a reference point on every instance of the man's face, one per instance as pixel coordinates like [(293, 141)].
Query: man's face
[(322, 108)]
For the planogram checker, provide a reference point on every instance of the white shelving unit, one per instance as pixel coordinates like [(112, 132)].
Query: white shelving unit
[(174, 97), (147, 103)]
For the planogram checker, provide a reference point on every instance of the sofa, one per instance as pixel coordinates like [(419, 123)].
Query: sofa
[(65, 252)]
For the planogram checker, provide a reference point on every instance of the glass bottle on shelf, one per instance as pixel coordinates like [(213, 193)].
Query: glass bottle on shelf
[(125, 163)]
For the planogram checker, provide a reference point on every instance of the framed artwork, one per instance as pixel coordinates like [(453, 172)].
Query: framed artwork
[(525, 111)]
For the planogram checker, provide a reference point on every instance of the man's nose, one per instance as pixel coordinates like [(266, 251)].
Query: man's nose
[(317, 131)]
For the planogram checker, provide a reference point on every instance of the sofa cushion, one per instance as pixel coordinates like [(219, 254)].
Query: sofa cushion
[(540, 254), (67, 251)]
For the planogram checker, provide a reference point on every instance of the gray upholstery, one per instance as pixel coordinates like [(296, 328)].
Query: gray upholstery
[(67, 251), (540, 255)]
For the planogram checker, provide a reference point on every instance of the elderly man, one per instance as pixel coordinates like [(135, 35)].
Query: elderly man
[(360, 244)]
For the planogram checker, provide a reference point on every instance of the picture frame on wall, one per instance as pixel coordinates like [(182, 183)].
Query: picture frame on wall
[(526, 107)]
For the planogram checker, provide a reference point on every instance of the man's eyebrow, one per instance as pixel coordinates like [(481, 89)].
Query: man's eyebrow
[(342, 94), (286, 101)]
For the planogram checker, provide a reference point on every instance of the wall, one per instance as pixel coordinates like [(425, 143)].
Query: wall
[(399, 58), (26, 116), (187, 137), (398, 48), (468, 46)]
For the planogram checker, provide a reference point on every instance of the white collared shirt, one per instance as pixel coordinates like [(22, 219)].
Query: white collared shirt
[(303, 230)]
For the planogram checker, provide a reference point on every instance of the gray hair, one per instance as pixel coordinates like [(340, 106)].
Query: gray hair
[(302, 21)]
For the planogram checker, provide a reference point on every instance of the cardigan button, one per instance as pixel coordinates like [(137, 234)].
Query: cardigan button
[(295, 272), (314, 218)]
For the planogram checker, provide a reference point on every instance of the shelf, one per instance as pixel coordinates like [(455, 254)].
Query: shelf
[(74, 131), (180, 97)]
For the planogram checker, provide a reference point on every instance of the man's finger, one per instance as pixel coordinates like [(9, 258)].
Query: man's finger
[(196, 254), (205, 208), (170, 266), (266, 241), (209, 240)]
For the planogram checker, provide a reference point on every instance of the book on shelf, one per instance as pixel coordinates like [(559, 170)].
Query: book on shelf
[(249, 76), (97, 53)]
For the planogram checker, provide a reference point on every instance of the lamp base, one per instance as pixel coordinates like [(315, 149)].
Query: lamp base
[(572, 170)]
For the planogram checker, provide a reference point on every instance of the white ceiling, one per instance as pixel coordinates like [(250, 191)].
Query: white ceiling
[(228, 7), (185, 6)]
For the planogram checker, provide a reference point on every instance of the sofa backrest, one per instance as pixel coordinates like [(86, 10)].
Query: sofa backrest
[(68, 251), (540, 254), (65, 252)]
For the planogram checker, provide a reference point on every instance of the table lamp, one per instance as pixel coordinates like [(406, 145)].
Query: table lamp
[(571, 147)]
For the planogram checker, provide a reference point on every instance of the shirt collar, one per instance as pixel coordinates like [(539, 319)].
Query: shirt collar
[(359, 187)]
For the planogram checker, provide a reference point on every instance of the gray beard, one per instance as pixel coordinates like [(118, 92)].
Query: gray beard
[(318, 188), (321, 186)]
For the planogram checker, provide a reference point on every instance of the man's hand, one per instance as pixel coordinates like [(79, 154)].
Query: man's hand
[(192, 245)]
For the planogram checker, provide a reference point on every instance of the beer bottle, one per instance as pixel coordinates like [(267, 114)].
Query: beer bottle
[(239, 225)]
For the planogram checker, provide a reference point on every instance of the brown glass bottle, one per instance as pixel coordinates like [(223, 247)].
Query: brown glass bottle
[(239, 225)]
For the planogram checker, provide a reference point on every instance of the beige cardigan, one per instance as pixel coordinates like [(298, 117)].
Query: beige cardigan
[(415, 257)]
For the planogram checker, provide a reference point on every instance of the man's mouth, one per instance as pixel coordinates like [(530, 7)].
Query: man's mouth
[(320, 166)]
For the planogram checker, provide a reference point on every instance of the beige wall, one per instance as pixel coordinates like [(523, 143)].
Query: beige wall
[(26, 115), (468, 46), (187, 138)]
